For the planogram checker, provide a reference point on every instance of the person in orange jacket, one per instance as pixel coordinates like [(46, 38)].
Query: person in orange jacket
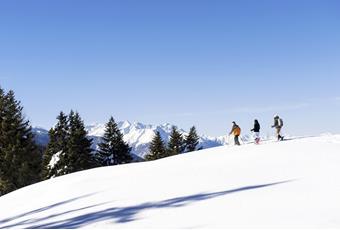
[(236, 131)]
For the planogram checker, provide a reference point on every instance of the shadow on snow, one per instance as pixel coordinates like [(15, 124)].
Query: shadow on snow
[(44, 209), (116, 214)]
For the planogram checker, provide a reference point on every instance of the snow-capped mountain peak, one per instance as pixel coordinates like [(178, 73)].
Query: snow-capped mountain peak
[(139, 135), (96, 130)]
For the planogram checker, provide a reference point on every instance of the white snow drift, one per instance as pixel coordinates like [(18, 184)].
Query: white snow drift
[(290, 184)]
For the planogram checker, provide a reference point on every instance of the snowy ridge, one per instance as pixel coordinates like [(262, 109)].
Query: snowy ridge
[(290, 184)]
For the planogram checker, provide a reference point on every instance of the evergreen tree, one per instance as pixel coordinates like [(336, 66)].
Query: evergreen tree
[(78, 154), (58, 141), (192, 140), (113, 150), (157, 149), (176, 144), (61, 131), (4, 181), (20, 160)]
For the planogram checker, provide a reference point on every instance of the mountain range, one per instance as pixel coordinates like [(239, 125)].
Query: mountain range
[(139, 136)]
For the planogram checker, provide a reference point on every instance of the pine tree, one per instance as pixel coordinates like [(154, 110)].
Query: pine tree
[(78, 154), (4, 181), (57, 145), (176, 144), (20, 160), (157, 149), (113, 150), (61, 131), (192, 140)]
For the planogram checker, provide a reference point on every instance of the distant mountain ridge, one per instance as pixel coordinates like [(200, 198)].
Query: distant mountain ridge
[(138, 136), (41, 136)]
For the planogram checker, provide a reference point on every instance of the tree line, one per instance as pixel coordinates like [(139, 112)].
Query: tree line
[(69, 149), (178, 144), (23, 162)]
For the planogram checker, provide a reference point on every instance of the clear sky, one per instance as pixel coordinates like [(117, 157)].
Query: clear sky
[(187, 62)]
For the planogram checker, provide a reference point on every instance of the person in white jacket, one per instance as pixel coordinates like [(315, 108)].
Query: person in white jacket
[(278, 124)]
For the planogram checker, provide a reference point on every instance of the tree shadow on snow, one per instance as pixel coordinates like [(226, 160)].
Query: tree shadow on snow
[(128, 214), (4, 221)]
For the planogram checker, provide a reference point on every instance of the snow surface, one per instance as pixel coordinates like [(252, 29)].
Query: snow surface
[(55, 159), (290, 184)]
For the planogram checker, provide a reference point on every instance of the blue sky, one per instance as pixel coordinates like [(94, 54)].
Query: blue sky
[(188, 62)]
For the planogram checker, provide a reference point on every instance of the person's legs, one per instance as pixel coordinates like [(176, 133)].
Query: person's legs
[(278, 131), (257, 137), (237, 142)]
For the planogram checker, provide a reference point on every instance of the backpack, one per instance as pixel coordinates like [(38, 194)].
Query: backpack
[(280, 122)]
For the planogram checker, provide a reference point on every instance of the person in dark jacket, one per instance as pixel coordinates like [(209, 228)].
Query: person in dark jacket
[(236, 131), (256, 131), (278, 124)]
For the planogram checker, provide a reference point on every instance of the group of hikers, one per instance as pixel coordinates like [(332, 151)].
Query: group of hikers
[(278, 124)]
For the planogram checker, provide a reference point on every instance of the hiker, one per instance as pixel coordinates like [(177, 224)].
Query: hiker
[(236, 131), (278, 124), (256, 131)]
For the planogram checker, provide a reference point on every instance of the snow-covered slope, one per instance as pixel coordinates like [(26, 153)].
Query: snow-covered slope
[(290, 184)]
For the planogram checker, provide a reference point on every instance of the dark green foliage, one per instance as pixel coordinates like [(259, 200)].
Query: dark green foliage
[(176, 144), (157, 148), (113, 150), (20, 159), (61, 131), (58, 142), (68, 143), (192, 140), (78, 153)]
